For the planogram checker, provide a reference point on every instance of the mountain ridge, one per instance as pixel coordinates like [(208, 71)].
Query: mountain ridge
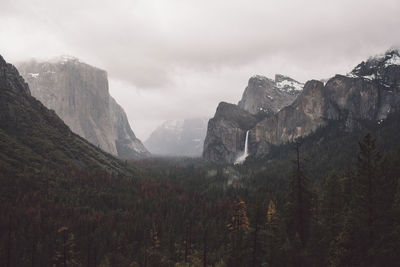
[(78, 92), (264, 95), (183, 137), (32, 136), (370, 92)]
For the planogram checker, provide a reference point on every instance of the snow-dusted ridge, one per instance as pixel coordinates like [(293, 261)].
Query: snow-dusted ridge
[(287, 84), (64, 59), (173, 125), (373, 68), (179, 137), (293, 85), (393, 60)]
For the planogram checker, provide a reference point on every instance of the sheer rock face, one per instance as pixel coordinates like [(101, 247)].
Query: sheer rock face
[(296, 120), (369, 92), (78, 93), (226, 133), (267, 95), (33, 136), (178, 137), (262, 98)]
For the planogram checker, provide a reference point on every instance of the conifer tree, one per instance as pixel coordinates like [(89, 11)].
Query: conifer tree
[(271, 214), (360, 231), (240, 222), (67, 256), (274, 237), (298, 202), (238, 228), (298, 209), (332, 206), (153, 249)]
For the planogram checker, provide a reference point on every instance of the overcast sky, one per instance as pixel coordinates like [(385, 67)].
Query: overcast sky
[(173, 59)]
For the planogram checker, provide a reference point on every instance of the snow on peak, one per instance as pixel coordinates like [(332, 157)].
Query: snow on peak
[(64, 59), (287, 84), (374, 67), (370, 77), (259, 77), (173, 125), (281, 82), (394, 59), (68, 58), (391, 57)]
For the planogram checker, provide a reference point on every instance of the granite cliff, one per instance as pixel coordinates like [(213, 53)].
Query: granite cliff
[(34, 138), (262, 98), (226, 133), (369, 92), (78, 93), (264, 95)]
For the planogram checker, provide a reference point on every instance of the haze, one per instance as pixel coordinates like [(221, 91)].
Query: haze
[(179, 58)]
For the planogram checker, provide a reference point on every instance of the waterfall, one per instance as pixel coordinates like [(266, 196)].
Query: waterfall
[(246, 143), (243, 157)]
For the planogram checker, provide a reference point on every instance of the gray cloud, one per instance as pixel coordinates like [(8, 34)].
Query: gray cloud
[(176, 58)]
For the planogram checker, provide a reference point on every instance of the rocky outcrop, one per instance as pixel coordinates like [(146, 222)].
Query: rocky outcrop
[(370, 92), (264, 95), (298, 119), (262, 98), (226, 133), (79, 94), (178, 138), (33, 138)]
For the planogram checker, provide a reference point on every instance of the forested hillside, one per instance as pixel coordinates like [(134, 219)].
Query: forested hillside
[(185, 213), (329, 199)]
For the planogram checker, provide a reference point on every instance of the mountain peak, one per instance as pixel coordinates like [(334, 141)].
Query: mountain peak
[(2, 61), (183, 137), (287, 84), (79, 94), (265, 95), (375, 66), (64, 59), (392, 57), (172, 124), (12, 79), (34, 137)]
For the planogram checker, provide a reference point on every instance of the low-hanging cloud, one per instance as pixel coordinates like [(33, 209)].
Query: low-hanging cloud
[(171, 47)]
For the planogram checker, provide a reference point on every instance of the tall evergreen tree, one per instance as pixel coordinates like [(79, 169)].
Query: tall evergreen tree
[(333, 203), (332, 206), (298, 201), (238, 229), (298, 211), (360, 232)]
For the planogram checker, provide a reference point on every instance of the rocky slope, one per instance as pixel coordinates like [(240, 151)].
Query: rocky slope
[(78, 93), (369, 92), (262, 98), (226, 133), (33, 137), (178, 138), (266, 95)]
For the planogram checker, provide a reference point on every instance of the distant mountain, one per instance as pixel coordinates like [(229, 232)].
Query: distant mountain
[(79, 94), (178, 137), (32, 137), (369, 92)]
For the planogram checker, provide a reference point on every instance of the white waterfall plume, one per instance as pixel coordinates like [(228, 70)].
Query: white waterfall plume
[(243, 157)]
